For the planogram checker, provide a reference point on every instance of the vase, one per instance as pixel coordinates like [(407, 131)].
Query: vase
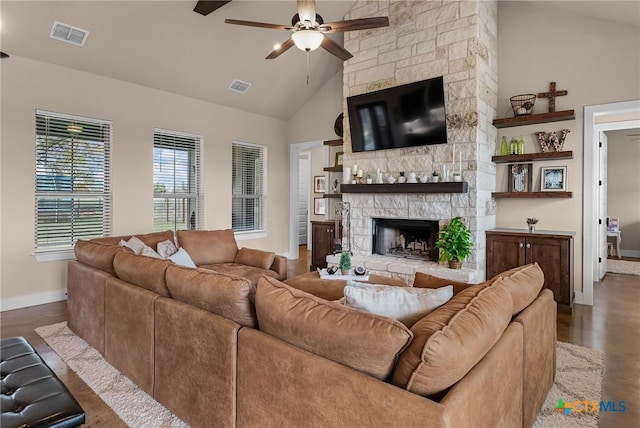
[(344, 271), (532, 228), (455, 264)]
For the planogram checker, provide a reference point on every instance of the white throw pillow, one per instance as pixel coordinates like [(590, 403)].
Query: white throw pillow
[(406, 304), (149, 252), (166, 248), (135, 244), (182, 258)]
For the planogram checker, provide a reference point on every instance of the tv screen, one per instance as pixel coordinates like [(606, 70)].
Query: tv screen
[(402, 116)]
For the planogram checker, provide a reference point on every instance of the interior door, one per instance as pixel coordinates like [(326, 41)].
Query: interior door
[(601, 230), (303, 198)]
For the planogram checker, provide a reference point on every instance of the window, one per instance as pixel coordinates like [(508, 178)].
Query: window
[(73, 194), (249, 165), (176, 181)]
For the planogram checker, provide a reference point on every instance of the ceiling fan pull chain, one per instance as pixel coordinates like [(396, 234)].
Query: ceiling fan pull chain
[(307, 68)]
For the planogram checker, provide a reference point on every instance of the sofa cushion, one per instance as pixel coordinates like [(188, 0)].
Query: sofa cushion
[(425, 280), (97, 255), (256, 258), (221, 294), (209, 246), (405, 304), (143, 271), (365, 342), (452, 339), (249, 272), (150, 239), (523, 283)]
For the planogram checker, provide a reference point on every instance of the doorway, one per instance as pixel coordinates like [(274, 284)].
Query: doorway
[(597, 119), (303, 196)]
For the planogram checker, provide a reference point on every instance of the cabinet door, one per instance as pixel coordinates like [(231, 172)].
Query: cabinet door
[(322, 244), (553, 256), (504, 252)]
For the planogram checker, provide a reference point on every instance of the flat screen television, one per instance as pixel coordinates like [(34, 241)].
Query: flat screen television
[(402, 116)]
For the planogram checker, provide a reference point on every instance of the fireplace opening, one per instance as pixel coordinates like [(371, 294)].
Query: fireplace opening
[(410, 239)]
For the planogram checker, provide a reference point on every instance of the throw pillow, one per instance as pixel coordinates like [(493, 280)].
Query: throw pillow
[(166, 248), (182, 258), (256, 258), (365, 342), (406, 304), (150, 252), (135, 244)]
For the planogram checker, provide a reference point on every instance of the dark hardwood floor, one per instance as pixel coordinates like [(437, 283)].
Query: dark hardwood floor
[(612, 326)]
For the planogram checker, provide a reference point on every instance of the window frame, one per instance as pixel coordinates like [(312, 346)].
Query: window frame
[(255, 233)]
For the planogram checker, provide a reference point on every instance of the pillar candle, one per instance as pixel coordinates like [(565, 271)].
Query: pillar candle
[(359, 173), (346, 175)]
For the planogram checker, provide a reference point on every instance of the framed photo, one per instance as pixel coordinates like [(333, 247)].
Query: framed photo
[(320, 184), (520, 177), (339, 156), (553, 179), (319, 206)]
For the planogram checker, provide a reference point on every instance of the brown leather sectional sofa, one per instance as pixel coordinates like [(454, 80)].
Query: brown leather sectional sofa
[(220, 351)]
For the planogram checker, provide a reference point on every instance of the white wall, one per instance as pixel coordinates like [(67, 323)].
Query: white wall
[(596, 61), (28, 85)]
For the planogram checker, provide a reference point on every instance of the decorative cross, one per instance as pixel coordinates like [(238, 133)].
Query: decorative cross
[(552, 94)]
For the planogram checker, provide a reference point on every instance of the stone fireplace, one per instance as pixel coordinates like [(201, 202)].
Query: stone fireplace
[(405, 239), (426, 39)]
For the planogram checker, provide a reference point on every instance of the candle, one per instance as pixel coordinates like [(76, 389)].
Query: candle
[(453, 159), (346, 175), (460, 163), (355, 168), (359, 173)]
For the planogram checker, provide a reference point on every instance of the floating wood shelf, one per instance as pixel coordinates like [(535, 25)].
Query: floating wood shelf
[(528, 157), (337, 142), (332, 196), (532, 119), (333, 168), (531, 195), (444, 187)]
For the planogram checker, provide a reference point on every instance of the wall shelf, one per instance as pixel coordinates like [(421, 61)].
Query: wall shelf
[(529, 195), (444, 187), (332, 195), (532, 119), (530, 157), (337, 142), (333, 168)]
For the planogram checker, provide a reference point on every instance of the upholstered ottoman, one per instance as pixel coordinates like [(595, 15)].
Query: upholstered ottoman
[(32, 395), (332, 289)]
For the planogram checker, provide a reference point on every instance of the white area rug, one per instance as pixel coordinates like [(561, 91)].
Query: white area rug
[(578, 377), (623, 266)]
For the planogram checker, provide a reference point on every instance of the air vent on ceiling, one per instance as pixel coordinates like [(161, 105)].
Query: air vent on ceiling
[(68, 33), (239, 86)]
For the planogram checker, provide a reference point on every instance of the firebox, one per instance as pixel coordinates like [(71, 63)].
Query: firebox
[(411, 239)]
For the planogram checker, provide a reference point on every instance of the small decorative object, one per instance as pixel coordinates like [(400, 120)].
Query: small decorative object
[(319, 184), (346, 175), (332, 269), (520, 177), (435, 176), (543, 141), (522, 104), (412, 178), (521, 145), (339, 157), (391, 179), (531, 222), (513, 146), (359, 270), (554, 141), (345, 262), (338, 126), (369, 179), (504, 147), (457, 176), (552, 94), (563, 136), (319, 206), (335, 186), (424, 178), (379, 177), (402, 178), (553, 179), (454, 243)]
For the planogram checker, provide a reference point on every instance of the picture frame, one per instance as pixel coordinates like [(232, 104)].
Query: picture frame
[(339, 159), (320, 184), (520, 177), (553, 179), (319, 206)]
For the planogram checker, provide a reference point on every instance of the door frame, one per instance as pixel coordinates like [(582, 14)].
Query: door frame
[(591, 130), (294, 170)]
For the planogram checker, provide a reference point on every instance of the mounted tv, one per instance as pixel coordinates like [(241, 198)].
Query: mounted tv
[(402, 116)]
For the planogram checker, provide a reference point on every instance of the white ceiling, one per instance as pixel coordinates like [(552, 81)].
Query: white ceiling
[(167, 46)]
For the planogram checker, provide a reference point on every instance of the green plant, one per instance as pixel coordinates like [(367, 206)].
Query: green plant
[(345, 261), (454, 241), (435, 173)]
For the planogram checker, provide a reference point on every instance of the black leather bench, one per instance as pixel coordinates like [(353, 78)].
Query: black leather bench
[(32, 395)]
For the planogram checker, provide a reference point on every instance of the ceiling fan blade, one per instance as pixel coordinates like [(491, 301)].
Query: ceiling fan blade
[(205, 7), (4, 55), (258, 24), (355, 24), (286, 45), (335, 49), (307, 10)]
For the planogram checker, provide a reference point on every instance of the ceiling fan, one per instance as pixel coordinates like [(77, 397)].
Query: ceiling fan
[(309, 29)]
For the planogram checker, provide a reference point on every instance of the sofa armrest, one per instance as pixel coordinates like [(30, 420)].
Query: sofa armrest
[(424, 280), (279, 266)]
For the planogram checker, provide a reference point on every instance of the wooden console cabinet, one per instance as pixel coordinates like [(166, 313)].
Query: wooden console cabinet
[(509, 248), (323, 234)]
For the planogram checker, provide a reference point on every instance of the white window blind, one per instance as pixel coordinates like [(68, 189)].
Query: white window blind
[(177, 201), (73, 194), (249, 166)]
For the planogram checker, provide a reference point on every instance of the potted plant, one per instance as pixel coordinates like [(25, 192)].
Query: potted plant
[(435, 176), (345, 262), (454, 243)]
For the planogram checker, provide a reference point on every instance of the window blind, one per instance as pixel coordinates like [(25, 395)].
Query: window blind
[(249, 165), (177, 202), (73, 193)]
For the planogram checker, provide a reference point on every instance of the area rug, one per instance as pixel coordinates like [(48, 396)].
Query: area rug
[(578, 377), (623, 266)]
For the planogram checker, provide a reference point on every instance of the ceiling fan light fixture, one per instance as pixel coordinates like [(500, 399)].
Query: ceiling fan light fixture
[(307, 40)]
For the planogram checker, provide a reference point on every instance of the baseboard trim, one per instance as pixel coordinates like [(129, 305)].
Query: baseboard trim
[(32, 300)]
